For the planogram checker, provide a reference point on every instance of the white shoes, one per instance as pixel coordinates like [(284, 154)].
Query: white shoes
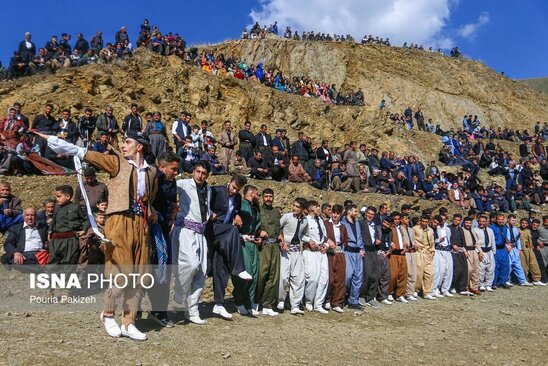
[(438, 294), (253, 312), (526, 284), (281, 305), (270, 312), (448, 294), (390, 298), (195, 319), (296, 311), (415, 294), (338, 310), (309, 307), (489, 289), (327, 306), (429, 297), (539, 283), (402, 300), (111, 326), (245, 276), (321, 310), (221, 311), (386, 302), (482, 288), (242, 310), (411, 298), (132, 332), (453, 291), (509, 284)]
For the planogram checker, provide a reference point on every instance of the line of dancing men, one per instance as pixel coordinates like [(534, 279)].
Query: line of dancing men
[(317, 258), (320, 258)]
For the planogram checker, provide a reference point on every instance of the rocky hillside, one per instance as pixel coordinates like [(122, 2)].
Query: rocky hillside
[(539, 84), (445, 89)]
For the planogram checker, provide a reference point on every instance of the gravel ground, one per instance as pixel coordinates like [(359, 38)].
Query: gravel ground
[(508, 327)]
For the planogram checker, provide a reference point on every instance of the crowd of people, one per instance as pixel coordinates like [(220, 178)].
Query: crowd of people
[(258, 32), (57, 53), (318, 257), (351, 167), (274, 78)]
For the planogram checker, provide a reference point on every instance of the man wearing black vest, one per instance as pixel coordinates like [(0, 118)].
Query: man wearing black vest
[(460, 265), (180, 130), (225, 248), (371, 234)]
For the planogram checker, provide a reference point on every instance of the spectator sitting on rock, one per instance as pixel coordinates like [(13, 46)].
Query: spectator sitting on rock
[(259, 167), (46, 215), (210, 156), (296, 172), (10, 207), (24, 240), (101, 145), (277, 164), (238, 165)]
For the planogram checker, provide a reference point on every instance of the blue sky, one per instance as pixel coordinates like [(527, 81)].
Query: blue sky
[(507, 35)]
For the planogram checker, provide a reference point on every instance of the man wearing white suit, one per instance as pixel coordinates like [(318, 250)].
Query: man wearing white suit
[(189, 242)]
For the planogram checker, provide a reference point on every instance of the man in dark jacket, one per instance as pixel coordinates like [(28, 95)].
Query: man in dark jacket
[(27, 49), (82, 45), (24, 240)]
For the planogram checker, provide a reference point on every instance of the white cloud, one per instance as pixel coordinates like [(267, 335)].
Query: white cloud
[(468, 31), (416, 21)]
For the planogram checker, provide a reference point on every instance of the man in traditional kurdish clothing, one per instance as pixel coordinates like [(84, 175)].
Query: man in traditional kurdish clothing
[(189, 244), (353, 255), (228, 141), (269, 255), (486, 240), (245, 291), (473, 255), (398, 262), (67, 226), (337, 236), (132, 188), (410, 256), (424, 242)]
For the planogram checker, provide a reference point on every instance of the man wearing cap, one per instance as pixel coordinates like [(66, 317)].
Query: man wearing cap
[(133, 186)]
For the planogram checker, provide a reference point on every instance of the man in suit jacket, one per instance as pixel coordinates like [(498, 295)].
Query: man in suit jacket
[(371, 234), (263, 141), (225, 249), (24, 240)]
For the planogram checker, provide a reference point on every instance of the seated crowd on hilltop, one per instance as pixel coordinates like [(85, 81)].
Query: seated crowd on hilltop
[(352, 167), (56, 54), (258, 32)]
